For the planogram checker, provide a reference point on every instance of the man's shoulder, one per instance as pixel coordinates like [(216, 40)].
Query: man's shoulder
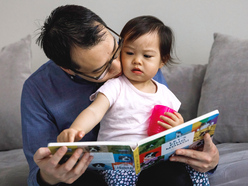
[(44, 72), (159, 77), (44, 69)]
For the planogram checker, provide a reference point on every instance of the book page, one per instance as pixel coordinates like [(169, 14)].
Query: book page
[(188, 135)]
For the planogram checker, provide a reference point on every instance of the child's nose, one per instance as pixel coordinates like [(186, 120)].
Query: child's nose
[(137, 61)]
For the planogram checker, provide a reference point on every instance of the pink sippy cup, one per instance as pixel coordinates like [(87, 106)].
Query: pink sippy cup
[(154, 127)]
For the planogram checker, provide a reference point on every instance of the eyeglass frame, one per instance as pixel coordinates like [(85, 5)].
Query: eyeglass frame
[(102, 75)]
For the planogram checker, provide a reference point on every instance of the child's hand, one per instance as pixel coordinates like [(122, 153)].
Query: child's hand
[(174, 120), (70, 135)]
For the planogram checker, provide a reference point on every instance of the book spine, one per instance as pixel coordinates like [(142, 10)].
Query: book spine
[(136, 160)]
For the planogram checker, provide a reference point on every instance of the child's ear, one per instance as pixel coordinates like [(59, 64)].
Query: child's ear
[(164, 60), (161, 64)]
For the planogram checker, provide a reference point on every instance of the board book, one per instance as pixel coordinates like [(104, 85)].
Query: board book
[(117, 155)]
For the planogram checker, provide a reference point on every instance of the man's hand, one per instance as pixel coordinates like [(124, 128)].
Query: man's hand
[(52, 172), (70, 135), (172, 120), (202, 161)]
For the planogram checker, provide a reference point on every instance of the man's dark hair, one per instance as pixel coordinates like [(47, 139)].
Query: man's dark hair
[(69, 26), (142, 25)]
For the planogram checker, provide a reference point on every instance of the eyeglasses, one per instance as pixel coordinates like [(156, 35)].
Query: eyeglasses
[(108, 64)]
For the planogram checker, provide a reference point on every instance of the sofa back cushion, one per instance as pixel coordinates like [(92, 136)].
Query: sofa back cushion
[(185, 81), (15, 68), (225, 88)]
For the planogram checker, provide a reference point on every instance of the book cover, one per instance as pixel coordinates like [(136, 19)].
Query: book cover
[(118, 155)]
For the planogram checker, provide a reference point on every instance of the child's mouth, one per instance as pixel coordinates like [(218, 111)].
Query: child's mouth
[(136, 71)]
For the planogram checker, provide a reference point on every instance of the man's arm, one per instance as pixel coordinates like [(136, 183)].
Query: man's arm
[(35, 123), (39, 128)]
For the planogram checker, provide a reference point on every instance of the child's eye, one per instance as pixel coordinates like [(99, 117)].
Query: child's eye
[(147, 56)]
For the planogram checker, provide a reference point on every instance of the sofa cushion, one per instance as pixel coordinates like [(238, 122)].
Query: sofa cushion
[(233, 165), (13, 168), (15, 67), (185, 81), (225, 88)]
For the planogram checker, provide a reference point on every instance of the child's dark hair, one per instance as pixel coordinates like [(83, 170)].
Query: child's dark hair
[(141, 25)]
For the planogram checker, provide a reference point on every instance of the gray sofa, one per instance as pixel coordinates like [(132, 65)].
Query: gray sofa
[(222, 84), (15, 68)]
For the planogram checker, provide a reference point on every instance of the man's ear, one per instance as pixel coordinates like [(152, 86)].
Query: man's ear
[(68, 71)]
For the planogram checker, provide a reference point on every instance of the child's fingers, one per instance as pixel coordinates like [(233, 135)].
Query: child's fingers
[(71, 137), (166, 119), (172, 119), (165, 125), (79, 135), (180, 118), (167, 122), (61, 137), (173, 116), (178, 114), (168, 114)]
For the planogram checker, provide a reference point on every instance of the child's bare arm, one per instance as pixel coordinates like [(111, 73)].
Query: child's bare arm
[(174, 120), (86, 120)]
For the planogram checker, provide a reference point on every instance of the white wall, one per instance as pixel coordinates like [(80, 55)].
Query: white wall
[(193, 21)]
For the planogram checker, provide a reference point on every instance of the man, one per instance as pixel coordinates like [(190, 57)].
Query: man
[(84, 54)]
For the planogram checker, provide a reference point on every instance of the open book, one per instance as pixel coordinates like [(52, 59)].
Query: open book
[(119, 155)]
